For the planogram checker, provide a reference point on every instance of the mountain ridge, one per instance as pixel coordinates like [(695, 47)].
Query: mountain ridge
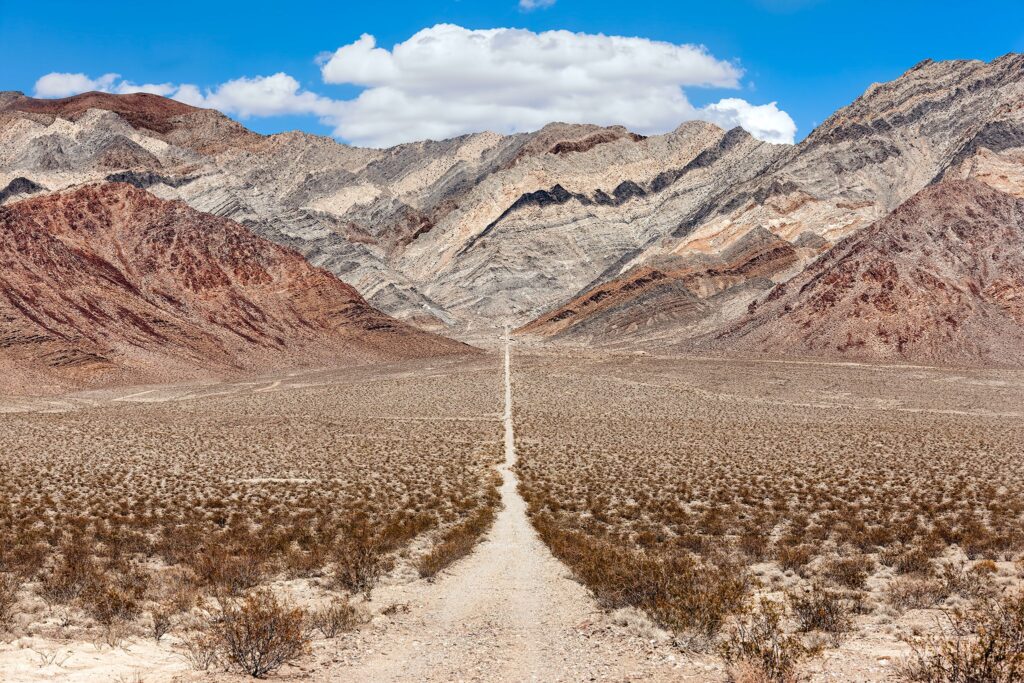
[(108, 283), (464, 235)]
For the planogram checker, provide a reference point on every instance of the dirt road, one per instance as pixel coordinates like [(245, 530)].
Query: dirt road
[(508, 612)]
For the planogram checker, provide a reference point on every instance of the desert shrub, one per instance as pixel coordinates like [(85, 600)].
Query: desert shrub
[(201, 649), (337, 617), (822, 609), (74, 569), (755, 545), (907, 592), (757, 648), (984, 567), (457, 542), (227, 572), (793, 557), (261, 634), (9, 586), (114, 595), (358, 556), (23, 552), (913, 561), (690, 597), (982, 644), (160, 622), (851, 572), (970, 584)]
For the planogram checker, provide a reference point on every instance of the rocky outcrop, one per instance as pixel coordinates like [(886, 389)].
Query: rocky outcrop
[(939, 280), (483, 230), (670, 295), (941, 119), (106, 282)]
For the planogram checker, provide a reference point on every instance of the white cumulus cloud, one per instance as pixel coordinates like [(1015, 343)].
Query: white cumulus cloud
[(765, 121), (243, 97), (447, 80), (274, 95), (65, 84)]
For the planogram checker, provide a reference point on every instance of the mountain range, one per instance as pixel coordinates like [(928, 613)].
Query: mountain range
[(896, 216)]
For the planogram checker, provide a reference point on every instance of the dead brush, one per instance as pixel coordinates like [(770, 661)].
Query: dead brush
[(914, 561), (337, 617), (955, 579), (457, 542), (793, 557), (823, 609), (757, 649), (851, 572), (982, 643), (908, 592), (691, 598), (358, 556), (260, 634), (9, 587), (161, 620), (73, 571)]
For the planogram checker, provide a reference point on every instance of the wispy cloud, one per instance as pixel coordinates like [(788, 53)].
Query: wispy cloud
[(528, 5)]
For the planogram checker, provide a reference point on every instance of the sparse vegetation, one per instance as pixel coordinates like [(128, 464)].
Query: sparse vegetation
[(133, 518), (758, 649), (766, 484), (261, 634), (982, 643), (337, 617)]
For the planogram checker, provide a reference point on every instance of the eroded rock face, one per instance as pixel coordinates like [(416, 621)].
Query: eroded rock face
[(106, 281), (939, 280), (941, 119), (452, 234), (479, 231)]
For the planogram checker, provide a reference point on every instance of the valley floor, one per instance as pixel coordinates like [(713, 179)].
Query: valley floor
[(609, 438)]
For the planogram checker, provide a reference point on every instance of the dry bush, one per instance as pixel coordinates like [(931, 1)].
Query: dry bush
[(984, 568), (74, 570), (851, 572), (982, 644), (955, 579), (907, 592), (358, 554), (201, 649), (337, 617), (458, 541), (758, 650), (261, 634), (9, 587), (823, 609), (793, 557), (161, 620), (226, 572), (913, 561), (688, 597)]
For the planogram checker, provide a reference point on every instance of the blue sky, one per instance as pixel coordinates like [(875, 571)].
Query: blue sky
[(809, 56)]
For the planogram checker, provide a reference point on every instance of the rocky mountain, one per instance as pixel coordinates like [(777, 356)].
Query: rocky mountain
[(940, 119), (454, 235), (108, 281), (939, 280), (577, 233)]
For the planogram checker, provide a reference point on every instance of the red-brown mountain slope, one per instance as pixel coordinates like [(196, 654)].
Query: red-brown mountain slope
[(939, 280), (108, 283), (670, 294), (140, 110)]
